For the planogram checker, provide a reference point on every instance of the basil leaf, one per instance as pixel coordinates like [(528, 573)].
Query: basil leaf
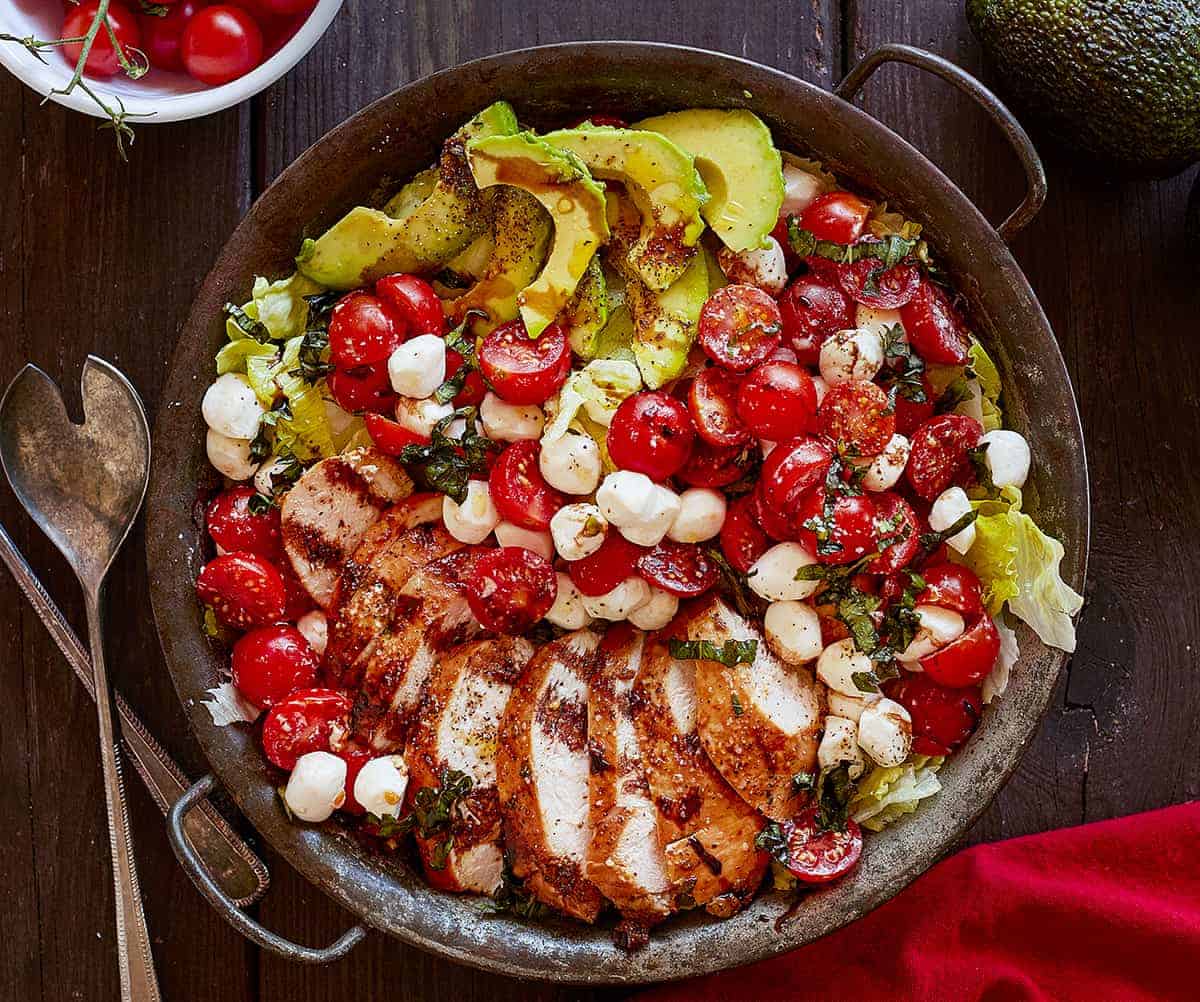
[(773, 842), (834, 790), (252, 328), (932, 540), (733, 652)]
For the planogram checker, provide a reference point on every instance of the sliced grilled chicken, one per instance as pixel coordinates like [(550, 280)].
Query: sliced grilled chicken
[(759, 723), (458, 729), (329, 508), (706, 830), (624, 857), (542, 774)]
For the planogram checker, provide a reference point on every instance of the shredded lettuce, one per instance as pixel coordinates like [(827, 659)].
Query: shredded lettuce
[(279, 306), (235, 354), (597, 390), (997, 680), (890, 792), (987, 378)]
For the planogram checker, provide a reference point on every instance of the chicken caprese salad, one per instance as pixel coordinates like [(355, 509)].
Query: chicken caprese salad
[(620, 511)]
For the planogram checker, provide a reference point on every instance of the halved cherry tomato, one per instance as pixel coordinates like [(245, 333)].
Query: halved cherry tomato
[(895, 520), (602, 120), (791, 259), (651, 433), (742, 541), (837, 216), (966, 660), (910, 415), (363, 331), (851, 529), (934, 326), (233, 526), (522, 370), (793, 467), (355, 756), (390, 436), (600, 572), (818, 855), (740, 325), (856, 416), (942, 718), (413, 300), (778, 401), (473, 390), (244, 590), (939, 452), (812, 309), (868, 282), (296, 601), (364, 390), (270, 663), (162, 37), (510, 589), (952, 586), (519, 490), (712, 401), (221, 43), (303, 723), (102, 60), (780, 524), (716, 465), (683, 569)]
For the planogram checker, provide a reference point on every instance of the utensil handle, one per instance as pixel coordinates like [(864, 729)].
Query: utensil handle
[(1035, 173), (138, 981), (242, 922), (242, 874)]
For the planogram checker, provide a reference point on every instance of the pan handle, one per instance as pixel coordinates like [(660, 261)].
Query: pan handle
[(1035, 173), (226, 906)]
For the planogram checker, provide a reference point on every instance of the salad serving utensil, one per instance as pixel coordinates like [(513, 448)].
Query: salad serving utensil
[(83, 485)]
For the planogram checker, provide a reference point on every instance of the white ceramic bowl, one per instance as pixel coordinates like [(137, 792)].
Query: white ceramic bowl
[(161, 96)]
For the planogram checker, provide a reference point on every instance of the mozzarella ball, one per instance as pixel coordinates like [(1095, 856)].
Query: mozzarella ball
[(504, 422), (872, 318), (884, 470), (418, 367), (885, 732), (839, 744), (314, 627), (851, 354), (951, 505), (231, 408), (821, 387), (656, 612), (380, 784), (578, 530), (938, 626), (617, 604), (472, 521), (540, 543), (701, 515), (571, 463), (773, 575), (420, 416), (639, 507), (568, 612), (1007, 457), (839, 663), (850, 707), (230, 456), (799, 189), (764, 267), (317, 786), (793, 631)]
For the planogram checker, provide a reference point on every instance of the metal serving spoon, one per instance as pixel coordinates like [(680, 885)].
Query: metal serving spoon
[(83, 485)]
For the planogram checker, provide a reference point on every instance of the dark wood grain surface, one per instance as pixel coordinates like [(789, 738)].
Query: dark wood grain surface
[(100, 256)]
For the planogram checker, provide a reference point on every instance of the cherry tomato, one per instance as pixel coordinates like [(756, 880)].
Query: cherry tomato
[(934, 326), (812, 309), (243, 589), (272, 662), (852, 529), (869, 282), (781, 525), (942, 718), (102, 60), (894, 520), (519, 490), (390, 436), (683, 569), (362, 331), (651, 433), (600, 120), (297, 601), (600, 572), (742, 541), (473, 390), (939, 452), (413, 300), (740, 325), (791, 259), (817, 855), (717, 466), (910, 415), (355, 756), (221, 43), (793, 467), (233, 526), (522, 370), (162, 37), (837, 216), (363, 390), (712, 401), (857, 418), (303, 723), (968, 659), (777, 401), (510, 589), (952, 586)]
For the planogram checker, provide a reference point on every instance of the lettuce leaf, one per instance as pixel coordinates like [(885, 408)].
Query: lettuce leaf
[(889, 792), (278, 306), (987, 376), (997, 680), (597, 390), (233, 356)]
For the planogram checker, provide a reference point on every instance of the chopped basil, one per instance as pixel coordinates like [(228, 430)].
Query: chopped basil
[(313, 356), (773, 842), (738, 709), (804, 782), (259, 504), (905, 371), (252, 328), (447, 462), (834, 790), (511, 898), (431, 815), (736, 586), (733, 652), (932, 540), (983, 472), (889, 250), (463, 342)]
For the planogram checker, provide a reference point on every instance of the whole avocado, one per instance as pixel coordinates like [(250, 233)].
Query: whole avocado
[(1118, 79)]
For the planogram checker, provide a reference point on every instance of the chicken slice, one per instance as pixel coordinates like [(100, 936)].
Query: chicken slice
[(759, 723), (542, 774), (624, 858), (458, 729), (706, 830), (327, 511)]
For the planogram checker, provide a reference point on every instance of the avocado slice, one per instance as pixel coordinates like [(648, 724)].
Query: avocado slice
[(586, 314), (664, 184), (402, 204), (739, 164), (665, 322), (562, 184), (366, 244)]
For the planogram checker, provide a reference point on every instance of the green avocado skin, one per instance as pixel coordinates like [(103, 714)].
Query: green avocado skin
[(1117, 79)]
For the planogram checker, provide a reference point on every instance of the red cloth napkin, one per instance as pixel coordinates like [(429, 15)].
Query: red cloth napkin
[(1106, 912)]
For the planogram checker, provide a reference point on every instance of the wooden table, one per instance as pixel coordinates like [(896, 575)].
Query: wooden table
[(100, 256)]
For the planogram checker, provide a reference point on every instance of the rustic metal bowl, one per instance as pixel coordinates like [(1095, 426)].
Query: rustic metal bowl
[(400, 134)]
